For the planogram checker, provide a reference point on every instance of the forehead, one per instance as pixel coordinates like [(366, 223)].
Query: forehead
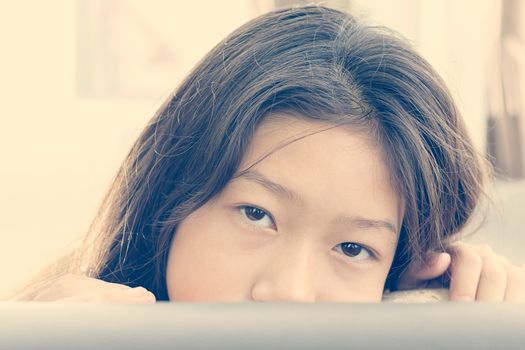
[(329, 166), (294, 137)]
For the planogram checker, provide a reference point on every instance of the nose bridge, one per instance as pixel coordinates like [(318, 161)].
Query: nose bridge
[(288, 275)]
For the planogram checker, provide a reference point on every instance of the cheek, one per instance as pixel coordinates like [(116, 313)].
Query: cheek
[(354, 284), (213, 259), (203, 264)]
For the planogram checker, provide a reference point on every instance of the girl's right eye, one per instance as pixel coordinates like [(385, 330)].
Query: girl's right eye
[(257, 216)]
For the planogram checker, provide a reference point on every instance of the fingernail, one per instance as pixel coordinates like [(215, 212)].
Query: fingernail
[(136, 292)]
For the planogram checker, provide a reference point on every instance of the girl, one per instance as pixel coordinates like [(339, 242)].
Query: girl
[(307, 157)]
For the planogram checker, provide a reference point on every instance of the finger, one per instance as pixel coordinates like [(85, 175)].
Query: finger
[(72, 285), (418, 274), (63, 287), (94, 281), (137, 295), (465, 271), (34, 288), (492, 283), (437, 265), (515, 291), (144, 297)]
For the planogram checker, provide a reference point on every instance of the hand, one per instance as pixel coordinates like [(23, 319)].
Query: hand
[(72, 288), (473, 272)]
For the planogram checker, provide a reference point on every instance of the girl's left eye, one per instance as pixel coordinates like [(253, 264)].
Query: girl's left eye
[(354, 250), (257, 216)]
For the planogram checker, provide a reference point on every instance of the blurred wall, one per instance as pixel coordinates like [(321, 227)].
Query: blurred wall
[(59, 151)]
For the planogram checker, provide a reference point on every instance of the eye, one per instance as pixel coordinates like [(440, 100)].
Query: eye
[(354, 250), (258, 216)]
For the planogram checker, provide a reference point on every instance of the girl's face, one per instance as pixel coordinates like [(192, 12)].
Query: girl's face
[(317, 220)]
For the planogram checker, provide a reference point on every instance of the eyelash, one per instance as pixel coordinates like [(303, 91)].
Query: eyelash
[(243, 208), (370, 252)]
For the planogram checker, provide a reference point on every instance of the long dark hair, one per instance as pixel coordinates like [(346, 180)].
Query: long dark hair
[(314, 62)]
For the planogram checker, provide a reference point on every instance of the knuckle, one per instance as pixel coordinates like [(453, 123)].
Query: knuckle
[(106, 294), (485, 249), (103, 296), (494, 272), (516, 274), (65, 284), (472, 257), (505, 262)]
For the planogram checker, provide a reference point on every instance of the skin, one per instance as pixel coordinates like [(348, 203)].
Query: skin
[(476, 273), (230, 250), (221, 254)]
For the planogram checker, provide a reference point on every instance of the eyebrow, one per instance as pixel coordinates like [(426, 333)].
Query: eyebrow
[(343, 220)]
